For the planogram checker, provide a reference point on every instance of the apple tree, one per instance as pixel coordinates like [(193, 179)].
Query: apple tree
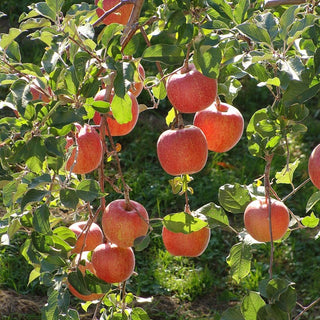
[(57, 141)]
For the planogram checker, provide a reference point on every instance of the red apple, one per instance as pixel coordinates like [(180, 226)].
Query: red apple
[(117, 129), (113, 264), (182, 151), (137, 86), (83, 267), (38, 95), (256, 219), (92, 236), (221, 124), (120, 16), (86, 150), (314, 166), (190, 91), (188, 245), (122, 223)]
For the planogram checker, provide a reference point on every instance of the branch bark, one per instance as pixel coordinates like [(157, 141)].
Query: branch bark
[(275, 3)]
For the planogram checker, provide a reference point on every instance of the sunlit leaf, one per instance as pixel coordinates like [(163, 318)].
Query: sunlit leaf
[(121, 108), (251, 305), (41, 219), (168, 54), (183, 222), (312, 201), (216, 215), (286, 174), (239, 260), (310, 221)]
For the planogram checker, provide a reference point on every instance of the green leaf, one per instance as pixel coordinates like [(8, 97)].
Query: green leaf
[(251, 305), (139, 314), (255, 33), (101, 106), (233, 313), (42, 242), (33, 195), (141, 243), (35, 23), (286, 21), (41, 222), (239, 260), (208, 60), (185, 33), (241, 10), (55, 5), (89, 190), (310, 221), (76, 279), (94, 284), (216, 216), (43, 9), (65, 234), (183, 222), (80, 64), (34, 274), (7, 39), (121, 108), (69, 198), (165, 53), (50, 60), (315, 197), (13, 51), (222, 7), (286, 174), (234, 198), (298, 92)]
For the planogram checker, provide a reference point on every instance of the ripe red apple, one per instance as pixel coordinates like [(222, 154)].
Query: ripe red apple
[(113, 264), (314, 166), (188, 245), (221, 124), (38, 95), (122, 223), (182, 151), (256, 219), (120, 16), (137, 86), (83, 267), (190, 91), (92, 236), (87, 151), (117, 129)]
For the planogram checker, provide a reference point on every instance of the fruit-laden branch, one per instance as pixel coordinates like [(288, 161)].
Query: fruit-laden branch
[(275, 3)]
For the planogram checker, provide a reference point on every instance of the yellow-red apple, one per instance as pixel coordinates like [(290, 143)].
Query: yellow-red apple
[(113, 264), (83, 267), (87, 238), (190, 91), (188, 245), (124, 222), (182, 151), (314, 166), (257, 222), (222, 124), (85, 148), (120, 16), (117, 129)]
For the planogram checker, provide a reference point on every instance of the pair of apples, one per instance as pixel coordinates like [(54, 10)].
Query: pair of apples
[(112, 260)]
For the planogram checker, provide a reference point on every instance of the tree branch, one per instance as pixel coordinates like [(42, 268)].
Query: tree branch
[(275, 3)]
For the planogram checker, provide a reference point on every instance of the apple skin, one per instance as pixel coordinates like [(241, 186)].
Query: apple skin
[(117, 129), (182, 151), (190, 91), (187, 245), (87, 266), (113, 264), (122, 224), (314, 166), (222, 125), (94, 236), (37, 95), (256, 219), (137, 86), (90, 150), (120, 16)]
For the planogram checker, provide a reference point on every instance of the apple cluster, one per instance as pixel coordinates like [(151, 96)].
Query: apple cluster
[(182, 150), (112, 258)]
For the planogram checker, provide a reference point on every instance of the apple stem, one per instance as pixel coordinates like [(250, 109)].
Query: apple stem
[(218, 103), (267, 187), (179, 119)]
